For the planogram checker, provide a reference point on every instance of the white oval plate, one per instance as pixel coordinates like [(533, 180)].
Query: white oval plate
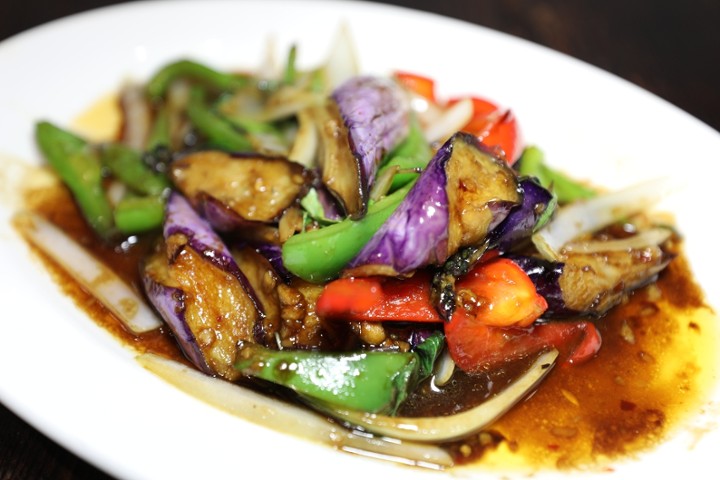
[(74, 382)]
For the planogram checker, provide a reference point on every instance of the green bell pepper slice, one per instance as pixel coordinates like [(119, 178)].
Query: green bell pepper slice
[(163, 78), (567, 190), (370, 381), (126, 164), (319, 255), (79, 167)]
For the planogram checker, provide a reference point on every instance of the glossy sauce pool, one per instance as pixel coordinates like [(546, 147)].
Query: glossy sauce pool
[(653, 372)]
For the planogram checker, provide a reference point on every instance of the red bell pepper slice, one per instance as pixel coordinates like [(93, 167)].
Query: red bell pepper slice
[(475, 347), (379, 299), (499, 293), (495, 127), (423, 86)]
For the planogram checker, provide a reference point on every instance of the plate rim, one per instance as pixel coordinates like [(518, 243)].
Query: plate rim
[(59, 24)]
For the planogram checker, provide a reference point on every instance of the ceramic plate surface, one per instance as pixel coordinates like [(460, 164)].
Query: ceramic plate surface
[(74, 382)]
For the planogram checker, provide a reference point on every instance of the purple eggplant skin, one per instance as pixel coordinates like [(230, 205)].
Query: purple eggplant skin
[(226, 221), (168, 302), (376, 114), (545, 275), (462, 195), (273, 253), (523, 220), (331, 210), (416, 233), (221, 217), (182, 219), (197, 287)]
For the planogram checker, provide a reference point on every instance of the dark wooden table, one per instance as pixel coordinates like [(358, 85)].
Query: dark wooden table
[(670, 48)]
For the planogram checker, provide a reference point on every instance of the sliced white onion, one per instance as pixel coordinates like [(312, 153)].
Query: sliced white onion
[(383, 182), (288, 101), (138, 116), (451, 427), (342, 61), (177, 100), (283, 417), (104, 284), (450, 120), (269, 67), (649, 238), (426, 111), (444, 369), (116, 191), (304, 149), (586, 216)]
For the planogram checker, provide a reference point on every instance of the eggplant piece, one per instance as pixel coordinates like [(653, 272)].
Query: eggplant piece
[(340, 169), (595, 282), (183, 226), (537, 207), (224, 219), (235, 190), (482, 191), (288, 303), (365, 118), (592, 282), (462, 195), (168, 299), (265, 281), (198, 289), (273, 253), (376, 115), (588, 269)]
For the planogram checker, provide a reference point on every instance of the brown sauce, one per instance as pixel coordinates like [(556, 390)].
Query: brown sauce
[(653, 371), (55, 204)]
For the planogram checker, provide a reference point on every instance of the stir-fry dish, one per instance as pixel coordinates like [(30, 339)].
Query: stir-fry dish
[(399, 268)]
